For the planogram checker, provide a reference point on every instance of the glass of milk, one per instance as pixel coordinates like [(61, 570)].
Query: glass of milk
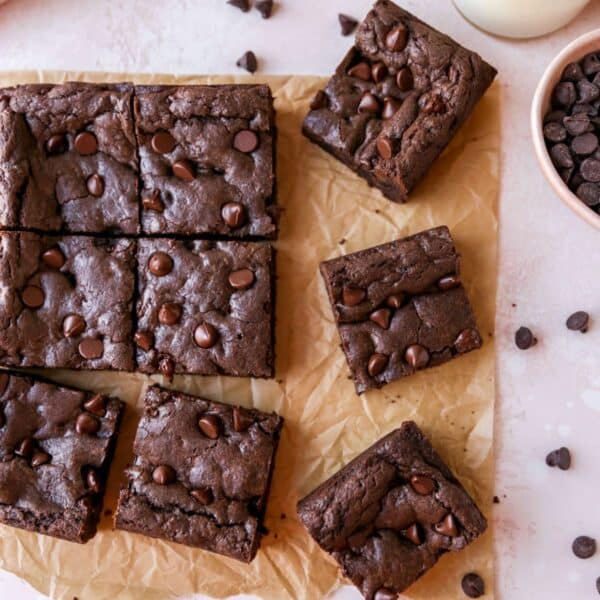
[(520, 18)]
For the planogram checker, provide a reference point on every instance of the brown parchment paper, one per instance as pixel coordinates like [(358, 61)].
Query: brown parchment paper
[(328, 211)]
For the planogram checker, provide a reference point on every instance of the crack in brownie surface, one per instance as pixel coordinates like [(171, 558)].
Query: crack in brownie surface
[(389, 515), (201, 473), (396, 100)]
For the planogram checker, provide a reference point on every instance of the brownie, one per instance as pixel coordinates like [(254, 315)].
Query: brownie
[(68, 159), (388, 516), (400, 307), (56, 444), (205, 307), (201, 473), (396, 100), (66, 301), (207, 157)]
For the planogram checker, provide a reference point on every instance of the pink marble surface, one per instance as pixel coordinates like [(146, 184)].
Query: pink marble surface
[(549, 259)]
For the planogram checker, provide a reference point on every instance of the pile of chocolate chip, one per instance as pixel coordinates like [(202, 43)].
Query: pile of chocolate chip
[(572, 128)]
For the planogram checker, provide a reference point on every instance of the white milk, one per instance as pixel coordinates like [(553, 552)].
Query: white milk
[(520, 18)]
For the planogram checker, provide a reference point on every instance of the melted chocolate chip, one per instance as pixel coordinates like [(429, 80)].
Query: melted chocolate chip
[(245, 141), (86, 424), (73, 325), (205, 335), (377, 364), (86, 143), (241, 279), (160, 264), (96, 405), (144, 340), (233, 214), (163, 142), (91, 348), (164, 475), (416, 356), (53, 258), (210, 426)]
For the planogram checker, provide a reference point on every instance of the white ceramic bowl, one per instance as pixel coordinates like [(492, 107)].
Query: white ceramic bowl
[(575, 51)]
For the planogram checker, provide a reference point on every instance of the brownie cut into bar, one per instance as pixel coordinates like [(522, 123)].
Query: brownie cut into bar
[(66, 301), (201, 473), (400, 307), (389, 515), (396, 100), (207, 160), (205, 307), (68, 159), (56, 445)]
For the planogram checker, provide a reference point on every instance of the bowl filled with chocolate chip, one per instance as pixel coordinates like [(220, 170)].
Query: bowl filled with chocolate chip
[(565, 124)]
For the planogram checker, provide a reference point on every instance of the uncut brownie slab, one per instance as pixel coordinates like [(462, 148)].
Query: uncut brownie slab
[(205, 307), (207, 159), (389, 515), (66, 301), (396, 100), (201, 473), (56, 444), (400, 307), (68, 159)]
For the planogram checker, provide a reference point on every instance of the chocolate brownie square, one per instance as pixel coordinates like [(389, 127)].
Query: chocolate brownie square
[(56, 445), (389, 515), (396, 100), (205, 307), (66, 301), (400, 307), (68, 159), (207, 159), (201, 473)]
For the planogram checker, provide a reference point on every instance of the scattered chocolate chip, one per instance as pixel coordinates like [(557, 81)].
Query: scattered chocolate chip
[(395, 300), (241, 279), (560, 458), (589, 193), (422, 485), (413, 533), (243, 5), (39, 458), (184, 170), (447, 526), (33, 296), (390, 108), (163, 142), (347, 24), (378, 72), (169, 313), (57, 144), (25, 448), (167, 367), (202, 495), (53, 258), (245, 141), (368, 104), (241, 419), (384, 147), (95, 185), (73, 325), (91, 348), (524, 338), (448, 282), (205, 335), (377, 364), (319, 101), (265, 8), (352, 296), (86, 143), (164, 475), (210, 426), (467, 340), (584, 546), (361, 70), (396, 39), (86, 424), (233, 214), (472, 585), (160, 264), (578, 321), (96, 405), (152, 201), (248, 62), (144, 340), (381, 317), (590, 170), (92, 481), (416, 356)]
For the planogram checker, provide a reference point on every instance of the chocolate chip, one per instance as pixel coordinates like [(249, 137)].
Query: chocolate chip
[(555, 132), (585, 144), (578, 321), (587, 92), (524, 338), (245, 141), (584, 546), (95, 185), (347, 24), (378, 72), (92, 481), (416, 356), (96, 405), (395, 300), (590, 170), (53, 258), (381, 317), (202, 495), (589, 193), (248, 62), (210, 426), (184, 170), (405, 80), (265, 8), (205, 335), (384, 147), (560, 458), (390, 108), (167, 367), (377, 364), (233, 214), (25, 448), (39, 458), (468, 339), (396, 39), (86, 143), (561, 156), (361, 70), (576, 125), (33, 296), (556, 116), (319, 101), (4, 379), (472, 585), (57, 144), (144, 340), (86, 424), (73, 325), (368, 104), (160, 264), (241, 419), (152, 201), (572, 72), (352, 296), (164, 475), (435, 106), (413, 533), (447, 526), (564, 94), (422, 485), (169, 313), (241, 279), (448, 282), (91, 348), (243, 5), (163, 142), (598, 585)]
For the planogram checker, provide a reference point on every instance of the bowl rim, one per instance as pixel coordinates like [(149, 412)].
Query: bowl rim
[(574, 51)]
